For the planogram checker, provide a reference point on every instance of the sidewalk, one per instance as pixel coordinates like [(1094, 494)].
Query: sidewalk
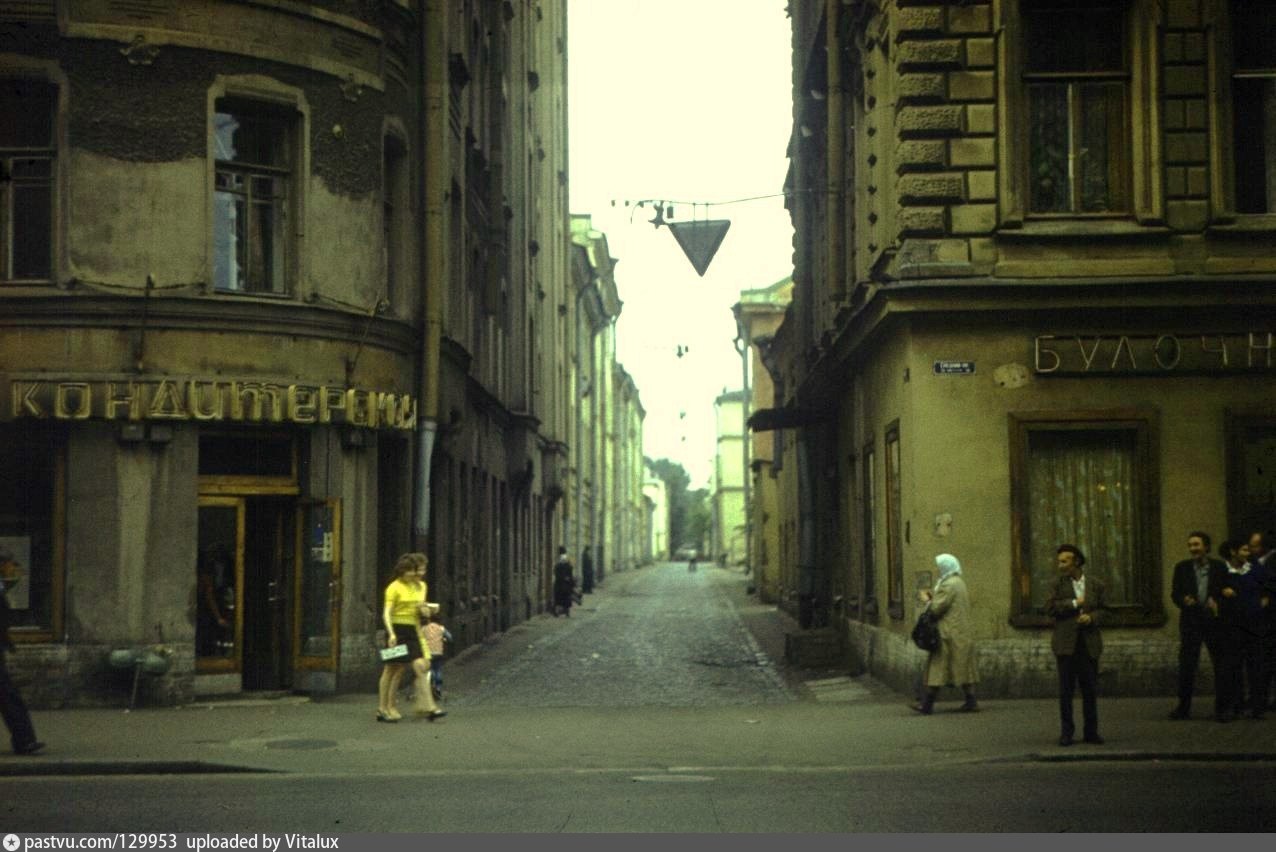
[(836, 722)]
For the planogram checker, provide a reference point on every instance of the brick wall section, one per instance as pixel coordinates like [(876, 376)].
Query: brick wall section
[(1024, 667), (53, 677), (1186, 116), (944, 58)]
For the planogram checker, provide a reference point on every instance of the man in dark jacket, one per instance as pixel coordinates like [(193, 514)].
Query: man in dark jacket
[(1075, 604), (1197, 581), (12, 707), (1244, 600)]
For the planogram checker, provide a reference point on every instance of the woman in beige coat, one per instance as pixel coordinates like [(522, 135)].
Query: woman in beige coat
[(953, 662)]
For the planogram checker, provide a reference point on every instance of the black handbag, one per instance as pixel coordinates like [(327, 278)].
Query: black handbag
[(926, 632)]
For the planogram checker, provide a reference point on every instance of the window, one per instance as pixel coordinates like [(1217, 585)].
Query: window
[(254, 152), (31, 527), (1254, 105), (894, 525), (1089, 481), (394, 210), (1078, 99), (870, 534), (27, 163)]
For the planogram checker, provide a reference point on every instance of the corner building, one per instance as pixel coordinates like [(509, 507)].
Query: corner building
[(1034, 303), (254, 259)]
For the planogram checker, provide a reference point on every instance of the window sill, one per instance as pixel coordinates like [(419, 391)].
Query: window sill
[(1088, 229), (1244, 226), (251, 294), (31, 636)]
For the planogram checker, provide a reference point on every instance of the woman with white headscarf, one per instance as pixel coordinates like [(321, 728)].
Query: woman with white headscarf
[(953, 662)]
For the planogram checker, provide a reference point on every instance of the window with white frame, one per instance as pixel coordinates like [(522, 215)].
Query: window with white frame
[(1254, 105), (28, 154), (254, 145)]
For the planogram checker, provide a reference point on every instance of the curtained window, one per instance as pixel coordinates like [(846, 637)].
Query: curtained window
[(1088, 482)]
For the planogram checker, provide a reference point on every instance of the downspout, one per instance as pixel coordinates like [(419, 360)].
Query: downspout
[(434, 71), (835, 157)]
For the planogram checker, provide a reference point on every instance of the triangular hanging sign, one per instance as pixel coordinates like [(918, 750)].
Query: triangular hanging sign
[(700, 240)]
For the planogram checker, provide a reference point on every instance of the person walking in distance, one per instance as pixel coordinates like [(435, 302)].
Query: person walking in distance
[(564, 583), (1075, 604), (12, 707), (953, 662), (1197, 581)]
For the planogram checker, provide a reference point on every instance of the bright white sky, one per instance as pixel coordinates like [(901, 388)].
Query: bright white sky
[(685, 100)]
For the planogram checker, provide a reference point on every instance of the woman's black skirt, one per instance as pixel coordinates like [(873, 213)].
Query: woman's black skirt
[(406, 634)]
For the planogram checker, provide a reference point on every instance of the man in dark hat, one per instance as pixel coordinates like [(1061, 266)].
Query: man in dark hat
[(1075, 604), (12, 707)]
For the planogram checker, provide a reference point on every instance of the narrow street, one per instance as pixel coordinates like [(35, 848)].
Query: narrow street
[(660, 636), (660, 705)]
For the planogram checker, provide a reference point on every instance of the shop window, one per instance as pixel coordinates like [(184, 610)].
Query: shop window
[(28, 154), (247, 455), (255, 155), (894, 525), (1254, 105), (1077, 92), (31, 528), (1091, 482)]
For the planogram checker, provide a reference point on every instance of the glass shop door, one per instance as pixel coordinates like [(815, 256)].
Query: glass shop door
[(317, 615), (219, 585)]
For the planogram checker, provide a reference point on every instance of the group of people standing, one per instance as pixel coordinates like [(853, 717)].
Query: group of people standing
[(1226, 605), (1074, 605)]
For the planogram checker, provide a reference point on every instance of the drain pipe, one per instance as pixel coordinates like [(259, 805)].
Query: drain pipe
[(434, 74)]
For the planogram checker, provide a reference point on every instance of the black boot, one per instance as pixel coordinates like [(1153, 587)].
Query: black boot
[(927, 705), (970, 705)]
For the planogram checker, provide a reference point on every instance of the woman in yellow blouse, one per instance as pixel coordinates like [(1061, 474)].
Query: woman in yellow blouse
[(404, 606)]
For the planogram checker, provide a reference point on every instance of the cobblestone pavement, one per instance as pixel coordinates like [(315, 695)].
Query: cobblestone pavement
[(659, 636)]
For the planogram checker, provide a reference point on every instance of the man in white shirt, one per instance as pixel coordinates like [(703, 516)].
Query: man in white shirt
[(1075, 605)]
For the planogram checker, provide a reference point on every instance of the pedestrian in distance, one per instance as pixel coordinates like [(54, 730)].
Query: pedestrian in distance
[(436, 635), (586, 572), (16, 717), (1241, 616), (564, 584), (1197, 582), (953, 662), (1075, 604), (404, 608)]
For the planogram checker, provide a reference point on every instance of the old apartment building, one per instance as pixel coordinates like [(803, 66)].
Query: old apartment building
[(1034, 302), (287, 290)]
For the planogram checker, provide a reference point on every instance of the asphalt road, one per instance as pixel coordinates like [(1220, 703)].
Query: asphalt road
[(1081, 797), (652, 709)]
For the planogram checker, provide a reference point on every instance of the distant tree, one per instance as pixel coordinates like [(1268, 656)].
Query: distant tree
[(698, 518), (676, 483)]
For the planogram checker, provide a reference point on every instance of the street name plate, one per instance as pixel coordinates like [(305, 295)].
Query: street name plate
[(954, 368)]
